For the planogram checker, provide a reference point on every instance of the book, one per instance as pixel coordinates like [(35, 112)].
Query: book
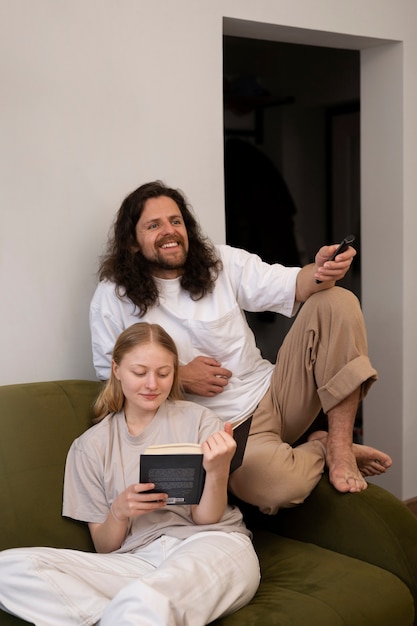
[(177, 469)]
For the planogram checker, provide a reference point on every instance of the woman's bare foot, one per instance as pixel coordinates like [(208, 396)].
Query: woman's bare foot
[(348, 466)]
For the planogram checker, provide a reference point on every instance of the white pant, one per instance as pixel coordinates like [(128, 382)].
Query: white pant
[(171, 582)]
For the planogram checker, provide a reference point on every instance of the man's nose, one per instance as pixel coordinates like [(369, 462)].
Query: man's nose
[(168, 228)]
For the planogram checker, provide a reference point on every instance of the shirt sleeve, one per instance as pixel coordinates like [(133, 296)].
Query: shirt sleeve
[(259, 286), (84, 495), (105, 327), (210, 423)]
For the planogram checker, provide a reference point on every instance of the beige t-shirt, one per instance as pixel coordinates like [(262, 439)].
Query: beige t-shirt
[(104, 461)]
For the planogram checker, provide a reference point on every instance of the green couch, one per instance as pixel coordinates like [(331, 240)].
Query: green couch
[(335, 560)]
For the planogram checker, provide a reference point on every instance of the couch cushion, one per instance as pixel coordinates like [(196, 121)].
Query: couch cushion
[(372, 525), (305, 584), (38, 424)]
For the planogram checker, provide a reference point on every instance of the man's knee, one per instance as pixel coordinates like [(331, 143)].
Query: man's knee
[(337, 298), (335, 308)]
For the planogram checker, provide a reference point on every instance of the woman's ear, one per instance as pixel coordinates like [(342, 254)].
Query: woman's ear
[(115, 369)]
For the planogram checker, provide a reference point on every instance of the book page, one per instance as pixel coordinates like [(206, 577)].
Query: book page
[(174, 448)]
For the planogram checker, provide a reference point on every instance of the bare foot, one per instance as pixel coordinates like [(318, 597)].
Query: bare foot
[(348, 466)]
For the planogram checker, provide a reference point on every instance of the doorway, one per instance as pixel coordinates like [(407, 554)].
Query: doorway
[(292, 154), (292, 158)]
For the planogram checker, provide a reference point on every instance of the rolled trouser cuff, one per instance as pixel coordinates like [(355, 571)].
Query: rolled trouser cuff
[(358, 373)]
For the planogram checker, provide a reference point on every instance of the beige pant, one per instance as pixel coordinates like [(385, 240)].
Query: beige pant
[(323, 359)]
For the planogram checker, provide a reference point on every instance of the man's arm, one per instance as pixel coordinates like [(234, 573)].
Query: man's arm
[(328, 272)]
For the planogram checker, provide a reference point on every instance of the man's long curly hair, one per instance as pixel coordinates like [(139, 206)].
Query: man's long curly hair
[(126, 266)]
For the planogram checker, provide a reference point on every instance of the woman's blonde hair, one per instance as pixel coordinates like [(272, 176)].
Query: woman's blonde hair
[(111, 398)]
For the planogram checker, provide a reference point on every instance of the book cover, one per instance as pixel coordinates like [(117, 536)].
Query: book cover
[(177, 469)]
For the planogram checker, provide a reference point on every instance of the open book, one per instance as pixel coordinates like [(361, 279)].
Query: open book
[(177, 469)]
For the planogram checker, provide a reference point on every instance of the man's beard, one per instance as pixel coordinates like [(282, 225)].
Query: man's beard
[(166, 264)]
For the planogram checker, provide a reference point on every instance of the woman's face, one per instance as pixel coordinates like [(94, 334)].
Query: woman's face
[(146, 374)]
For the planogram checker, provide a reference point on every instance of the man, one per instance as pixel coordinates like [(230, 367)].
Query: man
[(159, 268)]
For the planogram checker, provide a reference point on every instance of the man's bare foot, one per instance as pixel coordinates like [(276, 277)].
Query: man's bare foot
[(348, 466)]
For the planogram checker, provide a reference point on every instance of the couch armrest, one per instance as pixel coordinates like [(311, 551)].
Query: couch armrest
[(373, 526)]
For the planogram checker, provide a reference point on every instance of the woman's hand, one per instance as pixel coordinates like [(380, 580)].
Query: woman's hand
[(130, 503), (136, 500), (218, 452)]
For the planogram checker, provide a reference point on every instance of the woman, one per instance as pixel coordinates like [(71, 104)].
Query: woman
[(155, 563)]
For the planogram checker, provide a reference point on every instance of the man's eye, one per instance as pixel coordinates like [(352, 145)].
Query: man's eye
[(152, 226), (177, 222)]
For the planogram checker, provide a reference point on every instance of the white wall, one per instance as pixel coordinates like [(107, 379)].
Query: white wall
[(100, 96)]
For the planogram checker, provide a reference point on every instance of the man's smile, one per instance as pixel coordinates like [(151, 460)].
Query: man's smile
[(171, 244)]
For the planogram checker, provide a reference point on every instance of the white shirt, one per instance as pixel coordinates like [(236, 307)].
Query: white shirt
[(214, 326)]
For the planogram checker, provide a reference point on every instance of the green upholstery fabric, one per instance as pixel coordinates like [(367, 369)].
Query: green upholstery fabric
[(38, 422), (335, 560), (373, 526), (307, 585)]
